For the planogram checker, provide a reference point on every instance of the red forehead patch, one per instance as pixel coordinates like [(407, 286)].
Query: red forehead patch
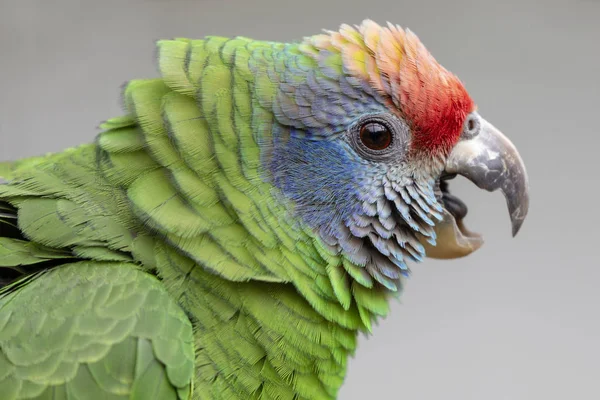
[(415, 85)]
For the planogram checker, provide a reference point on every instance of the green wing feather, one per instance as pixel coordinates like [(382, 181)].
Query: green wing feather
[(90, 329), (94, 330)]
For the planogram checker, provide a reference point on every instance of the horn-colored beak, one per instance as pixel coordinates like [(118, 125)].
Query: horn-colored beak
[(492, 163)]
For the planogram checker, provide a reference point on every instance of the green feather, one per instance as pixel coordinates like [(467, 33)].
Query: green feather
[(78, 330)]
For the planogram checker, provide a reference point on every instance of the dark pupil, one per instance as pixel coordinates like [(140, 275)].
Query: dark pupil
[(375, 136)]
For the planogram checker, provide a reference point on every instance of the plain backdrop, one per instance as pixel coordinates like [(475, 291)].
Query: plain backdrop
[(519, 319)]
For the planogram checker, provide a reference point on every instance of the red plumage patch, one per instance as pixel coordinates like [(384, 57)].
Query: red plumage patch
[(416, 86)]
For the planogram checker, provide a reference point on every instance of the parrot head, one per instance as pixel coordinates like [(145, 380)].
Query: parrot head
[(369, 130)]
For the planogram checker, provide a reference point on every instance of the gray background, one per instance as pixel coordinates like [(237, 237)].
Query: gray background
[(516, 320)]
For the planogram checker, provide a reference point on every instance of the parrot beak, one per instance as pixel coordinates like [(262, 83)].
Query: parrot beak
[(491, 162)]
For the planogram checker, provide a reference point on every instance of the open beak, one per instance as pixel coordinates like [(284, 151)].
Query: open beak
[(492, 163)]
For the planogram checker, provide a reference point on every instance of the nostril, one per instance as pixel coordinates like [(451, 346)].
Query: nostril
[(471, 125), (471, 128)]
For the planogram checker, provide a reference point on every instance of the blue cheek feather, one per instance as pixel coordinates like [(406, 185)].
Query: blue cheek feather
[(319, 176), (339, 193)]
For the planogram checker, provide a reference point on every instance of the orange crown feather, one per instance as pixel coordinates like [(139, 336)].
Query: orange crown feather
[(396, 64)]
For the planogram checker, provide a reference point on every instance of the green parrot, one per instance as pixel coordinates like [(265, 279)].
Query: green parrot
[(254, 209)]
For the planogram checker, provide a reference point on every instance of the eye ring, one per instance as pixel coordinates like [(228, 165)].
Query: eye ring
[(472, 126)]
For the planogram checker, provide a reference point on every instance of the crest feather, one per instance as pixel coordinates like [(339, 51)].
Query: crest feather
[(395, 63)]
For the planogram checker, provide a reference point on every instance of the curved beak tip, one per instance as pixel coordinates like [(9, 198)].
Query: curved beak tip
[(518, 216), (516, 227)]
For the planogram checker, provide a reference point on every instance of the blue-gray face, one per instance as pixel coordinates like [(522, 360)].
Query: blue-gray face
[(359, 192), (365, 200), (369, 202)]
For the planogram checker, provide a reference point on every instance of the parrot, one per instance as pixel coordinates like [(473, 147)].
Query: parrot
[(254, 210)]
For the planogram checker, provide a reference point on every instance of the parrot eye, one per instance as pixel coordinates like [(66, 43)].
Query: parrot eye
[(472, 125), (375, 136), (379, 137)]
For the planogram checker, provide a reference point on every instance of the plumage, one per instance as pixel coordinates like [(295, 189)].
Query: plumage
[(229, 236)]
